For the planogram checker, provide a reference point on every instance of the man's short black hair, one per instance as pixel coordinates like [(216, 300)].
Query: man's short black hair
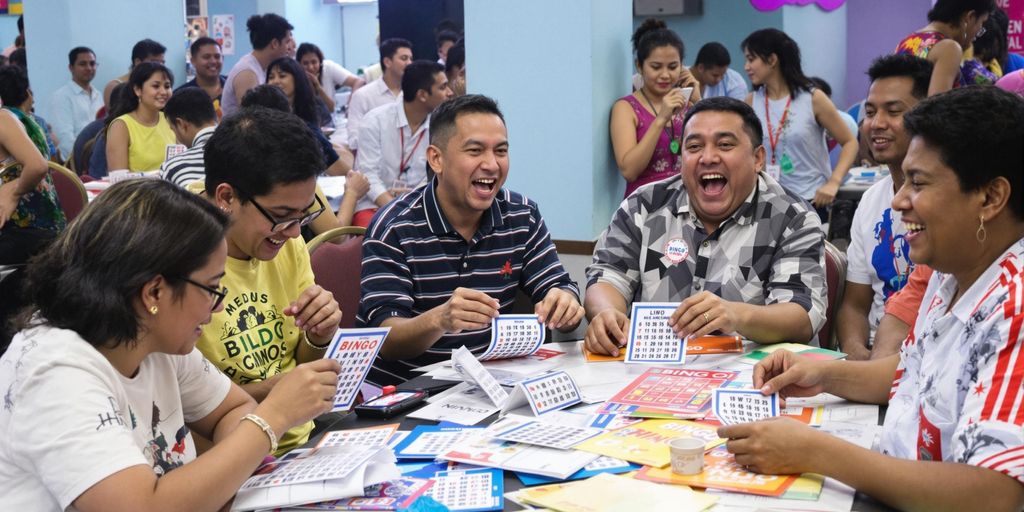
[(446, 35), (264, 28), (390, 46), (257, 148), (978, 132), (147, 48), (13, 85), (419, 76), (191, 104), (915, 68), (456, 58), (442, 121), (19, 58), (268, 96), (199, 44), (713, 55), (751, 124), (73, 54)]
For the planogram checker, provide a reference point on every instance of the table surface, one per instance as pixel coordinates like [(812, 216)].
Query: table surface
[(862, 502)]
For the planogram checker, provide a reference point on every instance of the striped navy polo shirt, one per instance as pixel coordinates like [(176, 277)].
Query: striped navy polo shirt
[(413, 259)]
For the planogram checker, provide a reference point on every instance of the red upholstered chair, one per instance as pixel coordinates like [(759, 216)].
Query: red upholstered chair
[(337, 260), (70, 190), (835, 278)]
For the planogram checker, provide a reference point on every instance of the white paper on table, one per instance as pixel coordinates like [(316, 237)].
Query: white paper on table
[(332, 186), (541, 433), (474, 373), (380, 467), (514, 336), (466, 407), (371, 436), (538, 460), (355, 349), (650, 339)]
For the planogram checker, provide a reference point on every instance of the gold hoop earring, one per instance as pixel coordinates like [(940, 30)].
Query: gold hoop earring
[(153, 310), (981, 234)]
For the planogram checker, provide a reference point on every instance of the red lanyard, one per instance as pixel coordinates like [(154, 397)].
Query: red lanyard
[(403, 165), (775, 136)]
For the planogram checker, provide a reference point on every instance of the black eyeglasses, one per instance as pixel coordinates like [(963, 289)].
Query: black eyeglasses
[(278, 226), (217, 295)]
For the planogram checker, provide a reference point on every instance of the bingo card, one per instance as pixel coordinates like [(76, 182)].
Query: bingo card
[(550, 435), (474, 373), (676, 390), (650, 339), (372, 436), (734, 406), (329, 464), (514, 336), (355, 349), (430, 441), (549, 392), (468, 490)]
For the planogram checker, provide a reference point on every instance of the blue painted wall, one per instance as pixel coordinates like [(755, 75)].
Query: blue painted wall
[(8, 30), (822, 39), (109, 27), (360, 28), (319, 24), (555, 68)]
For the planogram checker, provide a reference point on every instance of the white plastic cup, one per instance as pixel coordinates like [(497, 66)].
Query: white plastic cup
[(687, 454)]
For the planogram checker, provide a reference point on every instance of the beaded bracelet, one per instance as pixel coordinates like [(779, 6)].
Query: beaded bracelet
[(305, 338), (265, 427)]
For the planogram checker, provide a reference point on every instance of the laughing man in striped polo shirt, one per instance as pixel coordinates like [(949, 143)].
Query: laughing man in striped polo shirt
[(443, 260)]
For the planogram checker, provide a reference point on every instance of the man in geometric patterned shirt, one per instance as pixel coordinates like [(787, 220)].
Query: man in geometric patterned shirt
[(740, 253)]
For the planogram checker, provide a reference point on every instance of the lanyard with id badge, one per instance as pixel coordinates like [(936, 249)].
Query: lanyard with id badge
[(400, 185), (783, 165)]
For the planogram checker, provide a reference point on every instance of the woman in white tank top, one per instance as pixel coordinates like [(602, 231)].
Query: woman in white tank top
[(794, 117)]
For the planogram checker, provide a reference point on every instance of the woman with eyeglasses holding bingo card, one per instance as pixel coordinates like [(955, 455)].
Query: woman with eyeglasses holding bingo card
[(261, 168), (103, 386)]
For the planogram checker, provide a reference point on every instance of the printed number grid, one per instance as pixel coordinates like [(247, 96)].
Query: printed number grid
[(548, 434), (355, 352), (551, 392), (365, 437), (463, 490), (435, 443), (314, 468), (605, 462), (651, 340), (734, 406), (470, 368), (514, 336), (673, 391)]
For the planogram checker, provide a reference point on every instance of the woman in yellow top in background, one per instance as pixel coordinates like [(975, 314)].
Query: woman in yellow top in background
[(138, 137)]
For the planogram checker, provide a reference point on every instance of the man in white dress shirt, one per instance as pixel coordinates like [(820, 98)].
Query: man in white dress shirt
[(394, 138), (395, 55), (75, 104)]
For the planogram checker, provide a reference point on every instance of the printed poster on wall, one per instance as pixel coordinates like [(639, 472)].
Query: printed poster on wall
[(224, 32), (1015, 35)]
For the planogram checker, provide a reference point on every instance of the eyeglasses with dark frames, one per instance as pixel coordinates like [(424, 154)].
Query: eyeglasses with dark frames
[(278, 226), (217, 295)]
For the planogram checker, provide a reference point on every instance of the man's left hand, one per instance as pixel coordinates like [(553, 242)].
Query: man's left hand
[(703, 314), (559, 310), (776, 446)]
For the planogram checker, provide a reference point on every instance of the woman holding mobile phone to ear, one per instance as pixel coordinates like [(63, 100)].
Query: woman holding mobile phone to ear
[(647, 125)]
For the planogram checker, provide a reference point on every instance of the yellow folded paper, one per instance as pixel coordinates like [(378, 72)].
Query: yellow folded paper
[(613, 493), (647, 442)]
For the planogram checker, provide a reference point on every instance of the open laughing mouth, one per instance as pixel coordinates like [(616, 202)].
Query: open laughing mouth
[(713, 183), (485, 185)]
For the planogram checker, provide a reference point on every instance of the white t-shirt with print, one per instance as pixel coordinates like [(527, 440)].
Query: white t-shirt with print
[(69, 419), (957, 392), (879, 254)]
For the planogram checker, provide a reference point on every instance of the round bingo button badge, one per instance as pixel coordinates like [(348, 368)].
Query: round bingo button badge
[(676, 250)]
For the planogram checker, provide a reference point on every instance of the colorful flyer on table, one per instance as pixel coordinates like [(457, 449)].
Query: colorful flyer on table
[(677, 391), (722, 472), (549, 392), (370, 436), (355, 349), (647, 443), (650, 338), (430, 441), (395, 494), (551, 435), (514, 336), (734, 406), (475, 374), (469, 490)]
